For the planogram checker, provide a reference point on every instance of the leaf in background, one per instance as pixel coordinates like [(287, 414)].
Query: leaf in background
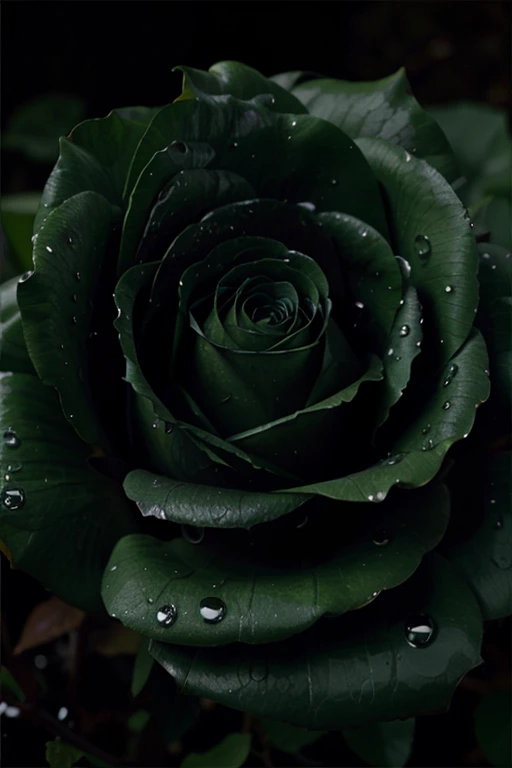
[(8, 683), (17, 216), (141, 669), (382, 744), (288, 738), (35, 127), (231, 752), (493, 718), (62, 755), (49, 620)]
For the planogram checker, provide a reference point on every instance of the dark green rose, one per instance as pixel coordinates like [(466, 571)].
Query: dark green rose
[(241, 389)]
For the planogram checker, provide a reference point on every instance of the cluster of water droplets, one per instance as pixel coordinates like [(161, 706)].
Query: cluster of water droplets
[(12, 497), (211, 609)]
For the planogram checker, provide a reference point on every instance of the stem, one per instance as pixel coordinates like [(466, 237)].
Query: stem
[(59, 729)]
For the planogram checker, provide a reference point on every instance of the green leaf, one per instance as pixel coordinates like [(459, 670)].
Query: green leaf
[(94, 158), (8, 683), (484, 154), (17, 215), (493, 718), (288, 738), (348, 671), (235, 79), (194, 504), (58, 516), (383, 109), (138, 721), (482, 544), (231, 752), (383, 744), (34, 128), (13, 351), (62, 755), (431, 230), (266, 602), (141, 669), (56, 306)]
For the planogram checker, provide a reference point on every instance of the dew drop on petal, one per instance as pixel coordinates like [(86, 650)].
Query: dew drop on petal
[(419, 630)]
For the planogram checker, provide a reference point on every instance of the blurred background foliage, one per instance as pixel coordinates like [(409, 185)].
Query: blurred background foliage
[(68, 677)]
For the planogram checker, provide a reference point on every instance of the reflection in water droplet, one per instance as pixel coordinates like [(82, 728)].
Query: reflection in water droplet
[(168, 427), (395, 459), (423, 247), (50, 250), (258, 671), (448, 289), (426, 429), (11, 438), (428, 445), (26, 275), (192, 533), (114, 568), (390, 351), (12, 498), (404, 330), (212, 609), (381, 538), (446, 405), (167, 615), (420, 630), (13, 468)]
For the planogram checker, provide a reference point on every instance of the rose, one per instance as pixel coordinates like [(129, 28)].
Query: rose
[(296, 286)]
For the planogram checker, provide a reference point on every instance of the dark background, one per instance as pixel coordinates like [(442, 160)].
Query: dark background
[(120, 53)]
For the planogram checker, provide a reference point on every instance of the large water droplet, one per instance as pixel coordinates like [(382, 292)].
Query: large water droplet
[(452, 372), (167, 615), (420, 630), (428, 445), (423, 247), (381, 538), (12, 498), (212, 609), (11, 438), (448, 289), (404, 330), (258, 671), (446, 405), (192, 533), (13, 468), (26, 275)]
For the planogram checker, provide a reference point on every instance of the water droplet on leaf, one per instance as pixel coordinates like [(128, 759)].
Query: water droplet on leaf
[(423, 247), (26, 275), (192, 533), (381, 538), (446, 405), (167, 615), (420, 630), (212, 609), (13, 498), (11, 438), (404, 330), (258, 671)]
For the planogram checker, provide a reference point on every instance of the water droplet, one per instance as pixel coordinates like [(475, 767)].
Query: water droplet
[(225, 399), (407, 157), (62, 713), (114, 568), (381, 538), (11, 438), (73, 320), (26, 275), (50, 250), (419, 630), (155, 425), (235, 144), (258, 671), (308, 206), (294, 123), (364, 234), (167, 615), (428, 445), (452, 372), (493, 266), (70, 240), (423, 247), (168, 427), (150, 600), (499, 523), (14, 468), (397, 358), (334, 182), (192, 533), (212, 609), (448, 289), (359, 305), (395, 459), (390, 351), (74, 297), (446, 405), (12, 498), (404, 330), (77, 275), (179, 146)]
